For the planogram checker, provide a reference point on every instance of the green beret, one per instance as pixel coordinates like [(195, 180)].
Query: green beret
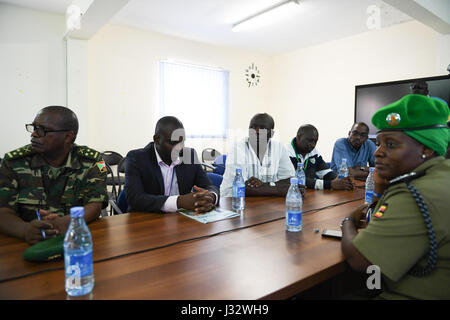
[(47, 250), (421, 117)]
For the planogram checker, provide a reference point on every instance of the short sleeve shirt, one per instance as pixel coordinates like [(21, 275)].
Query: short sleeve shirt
[(355, 158), (275, 166)]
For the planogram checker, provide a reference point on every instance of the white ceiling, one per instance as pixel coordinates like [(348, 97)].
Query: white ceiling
[(312, 22)]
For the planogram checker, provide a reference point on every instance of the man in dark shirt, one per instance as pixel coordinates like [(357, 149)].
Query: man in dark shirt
[(302, 149)]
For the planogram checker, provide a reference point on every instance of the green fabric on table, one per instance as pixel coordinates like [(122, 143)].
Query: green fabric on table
[(47, 250)]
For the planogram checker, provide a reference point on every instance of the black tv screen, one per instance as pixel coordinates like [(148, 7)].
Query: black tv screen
[(369, 98)]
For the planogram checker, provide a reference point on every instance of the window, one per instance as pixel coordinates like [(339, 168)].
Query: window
[(198, 96)]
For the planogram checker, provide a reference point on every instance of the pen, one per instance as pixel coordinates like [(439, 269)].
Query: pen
[(39, 218)]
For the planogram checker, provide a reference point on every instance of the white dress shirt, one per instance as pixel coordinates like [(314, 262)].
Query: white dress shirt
[(170, 183), (275, 165)]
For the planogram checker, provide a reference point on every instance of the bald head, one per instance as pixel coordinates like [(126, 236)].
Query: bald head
[(306, 139), (166, 125), (169, 138), (307, 129), (262, 121), (64, 118), (419, 87)]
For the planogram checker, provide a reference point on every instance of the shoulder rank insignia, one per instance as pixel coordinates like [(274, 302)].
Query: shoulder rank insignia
[(381, 211), (102, 166), (19, 153), (88, 153)]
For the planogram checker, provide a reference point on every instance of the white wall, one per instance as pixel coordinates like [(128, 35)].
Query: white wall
[(443, 58), (316, 85), (32, 64), (123, 85), (115, 74), (77, 85)]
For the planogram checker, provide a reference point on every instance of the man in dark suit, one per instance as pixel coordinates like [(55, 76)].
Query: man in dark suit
[(161, 176)]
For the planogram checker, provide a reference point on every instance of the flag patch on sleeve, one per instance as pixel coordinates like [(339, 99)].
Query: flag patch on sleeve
[(381, 211), (101, 166)]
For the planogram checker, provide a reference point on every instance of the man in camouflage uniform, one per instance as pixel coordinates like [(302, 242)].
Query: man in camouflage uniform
[(52, 174)]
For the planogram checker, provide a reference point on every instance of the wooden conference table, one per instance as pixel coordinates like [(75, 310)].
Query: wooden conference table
[(169, 256)]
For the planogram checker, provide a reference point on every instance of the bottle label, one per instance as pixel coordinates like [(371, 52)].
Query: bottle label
[(294, 218), (342, 175), (79, 265), (369, 196), (239, 192)]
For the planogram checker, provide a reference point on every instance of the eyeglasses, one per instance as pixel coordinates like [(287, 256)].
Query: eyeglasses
[(357, 133), (41, 131)]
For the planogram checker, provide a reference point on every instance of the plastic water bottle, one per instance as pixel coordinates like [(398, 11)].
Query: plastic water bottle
[(300, 174), (343, 169), (78, 255), (238, 200), (294, 204), (370, 186)]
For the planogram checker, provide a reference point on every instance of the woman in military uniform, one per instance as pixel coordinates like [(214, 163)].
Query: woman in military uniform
[(408, 236)]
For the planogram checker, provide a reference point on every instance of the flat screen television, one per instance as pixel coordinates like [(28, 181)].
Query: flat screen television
[(371, 97)]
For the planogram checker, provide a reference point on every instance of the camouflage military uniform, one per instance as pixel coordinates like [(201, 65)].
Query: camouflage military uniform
[(27, 182)]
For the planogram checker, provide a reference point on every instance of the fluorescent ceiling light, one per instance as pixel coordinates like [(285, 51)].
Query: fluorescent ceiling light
[(266, 16)]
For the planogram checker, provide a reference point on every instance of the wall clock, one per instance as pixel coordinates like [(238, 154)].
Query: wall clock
[(252, 75)]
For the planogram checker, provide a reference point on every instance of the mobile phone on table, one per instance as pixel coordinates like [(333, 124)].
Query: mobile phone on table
[(337, 234)]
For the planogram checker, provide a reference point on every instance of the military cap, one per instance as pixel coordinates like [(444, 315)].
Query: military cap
[(421, 117), (47, 250)]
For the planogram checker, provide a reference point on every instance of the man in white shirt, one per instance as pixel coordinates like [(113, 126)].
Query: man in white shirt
[(266, 167)]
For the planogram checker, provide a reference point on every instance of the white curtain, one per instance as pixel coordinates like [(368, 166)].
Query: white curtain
[(198, 96)]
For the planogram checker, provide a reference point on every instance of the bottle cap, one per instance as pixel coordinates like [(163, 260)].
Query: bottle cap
[(238, 170), (344, 160), (371, 169), (294, 181), (77, 212)]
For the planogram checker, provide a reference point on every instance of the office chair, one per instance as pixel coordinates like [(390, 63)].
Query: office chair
[(208, 156), (111, 182), (121, 174), (121, 206), (113, 158), (219, 164), (215, 178)]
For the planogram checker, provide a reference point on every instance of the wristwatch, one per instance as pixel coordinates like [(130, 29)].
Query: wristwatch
[(362, 168), (272, 184), (347, 219)]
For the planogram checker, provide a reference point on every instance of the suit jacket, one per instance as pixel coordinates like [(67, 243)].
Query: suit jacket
[(144, 184)]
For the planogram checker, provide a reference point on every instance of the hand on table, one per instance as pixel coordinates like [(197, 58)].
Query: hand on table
[(342, 184), (200, 201)]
